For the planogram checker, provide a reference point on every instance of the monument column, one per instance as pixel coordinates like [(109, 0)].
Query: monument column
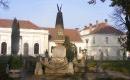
[(58, 63), (59, 26)]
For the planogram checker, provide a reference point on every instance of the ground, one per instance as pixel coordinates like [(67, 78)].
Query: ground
[(94, 71)]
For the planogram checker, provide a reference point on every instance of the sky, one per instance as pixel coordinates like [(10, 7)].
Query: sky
[(76, 13)]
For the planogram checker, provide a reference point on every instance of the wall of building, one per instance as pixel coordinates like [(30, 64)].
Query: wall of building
[(97, 44), (110, 48), (29, 36)]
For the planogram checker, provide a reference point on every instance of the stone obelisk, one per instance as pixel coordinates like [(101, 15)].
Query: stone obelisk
[(59, 26), (58, 62)]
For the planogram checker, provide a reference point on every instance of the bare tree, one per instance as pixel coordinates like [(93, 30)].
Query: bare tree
[(4, 3), (94, 1), (118, 18)]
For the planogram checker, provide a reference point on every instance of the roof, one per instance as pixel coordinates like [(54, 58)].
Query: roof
[(103, 28), (7, 23), (71, 33)]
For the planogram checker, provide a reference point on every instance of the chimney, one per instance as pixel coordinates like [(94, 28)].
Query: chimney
[(96, 22), (90, 24), (85, 26), (90, 27), (106, 20), (77, 29)]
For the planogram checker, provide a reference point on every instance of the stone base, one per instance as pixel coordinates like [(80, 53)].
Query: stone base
[(56, 66), (49, 71), (70, 68), (15, 73)]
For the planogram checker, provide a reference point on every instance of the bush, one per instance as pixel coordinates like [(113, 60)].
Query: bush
[(15, 62), (4, 76), (110, 78), (3, 64), (120, 66), (30, 63)]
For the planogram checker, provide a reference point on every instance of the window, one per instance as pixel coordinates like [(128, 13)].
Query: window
[(86, 40), (101, 54), (118, 54), (26, 49), (107, 55), (36, 48), (106, 40), (4, 48), (93, 40)]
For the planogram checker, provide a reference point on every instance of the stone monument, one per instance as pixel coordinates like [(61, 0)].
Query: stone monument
[(58, 63)]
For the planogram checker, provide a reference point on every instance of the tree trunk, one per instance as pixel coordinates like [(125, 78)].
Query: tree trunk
[(127, 19), (128, 41)]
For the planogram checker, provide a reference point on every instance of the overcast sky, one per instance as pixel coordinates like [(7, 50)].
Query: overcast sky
[(76, 13)]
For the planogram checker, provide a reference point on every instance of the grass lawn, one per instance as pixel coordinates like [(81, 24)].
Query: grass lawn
[(110, 79), (120, 66)]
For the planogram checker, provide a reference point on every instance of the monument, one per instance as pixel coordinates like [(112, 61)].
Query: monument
[(58, 62)]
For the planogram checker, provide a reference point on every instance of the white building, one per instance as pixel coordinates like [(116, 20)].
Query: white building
[(33, 39), (101, 40)]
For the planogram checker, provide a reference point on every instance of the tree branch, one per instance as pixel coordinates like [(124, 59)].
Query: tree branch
[(94, 1), (118, 17), (4, 3)]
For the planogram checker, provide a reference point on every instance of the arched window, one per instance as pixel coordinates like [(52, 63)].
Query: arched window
[(107, 54), (93, 40), (4, 48), (86, 40), (36, 48), (118, 54), (107, 40), (26, 49), (101, 54)]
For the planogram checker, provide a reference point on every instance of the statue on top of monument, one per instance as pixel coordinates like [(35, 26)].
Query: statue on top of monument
[(59, 8)]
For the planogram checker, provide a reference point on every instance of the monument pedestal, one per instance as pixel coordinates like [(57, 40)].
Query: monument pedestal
[(58, 63), (56, 66), (70, 68)]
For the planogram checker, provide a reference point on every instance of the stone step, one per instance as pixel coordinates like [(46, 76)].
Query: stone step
[(55, 77)]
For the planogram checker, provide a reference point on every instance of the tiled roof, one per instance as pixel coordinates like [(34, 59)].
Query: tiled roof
[(103, 28), (71, 33), (6, 23)]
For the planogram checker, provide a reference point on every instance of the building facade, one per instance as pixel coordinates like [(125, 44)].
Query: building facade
[(102, 41), (33, 39)]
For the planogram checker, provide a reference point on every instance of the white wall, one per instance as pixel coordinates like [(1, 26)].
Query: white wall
[(51, 43), (113, 46), (29, 36)]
